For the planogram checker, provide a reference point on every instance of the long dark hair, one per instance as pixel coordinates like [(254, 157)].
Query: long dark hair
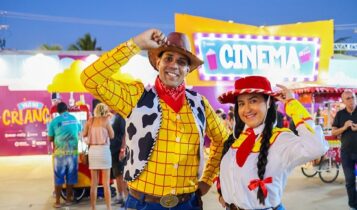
[(266, 135)]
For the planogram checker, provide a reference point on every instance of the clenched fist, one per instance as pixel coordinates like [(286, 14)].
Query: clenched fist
[(152, 38)]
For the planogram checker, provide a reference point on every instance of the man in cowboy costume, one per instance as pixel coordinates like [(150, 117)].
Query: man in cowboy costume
[(165, 124)]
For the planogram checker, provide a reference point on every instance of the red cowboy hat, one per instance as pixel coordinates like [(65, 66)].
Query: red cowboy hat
[(177, 42), (250, 84)]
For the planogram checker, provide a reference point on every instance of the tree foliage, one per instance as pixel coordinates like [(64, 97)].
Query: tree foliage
[(50, 47), (85, 43)]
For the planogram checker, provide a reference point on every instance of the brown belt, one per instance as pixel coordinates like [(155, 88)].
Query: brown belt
[(167, 200)]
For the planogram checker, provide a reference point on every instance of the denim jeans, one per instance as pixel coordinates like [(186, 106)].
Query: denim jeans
[(348, 164), (66, 169), (133, 203)]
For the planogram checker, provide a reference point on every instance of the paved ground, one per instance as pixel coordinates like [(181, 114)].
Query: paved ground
[(26, 183)]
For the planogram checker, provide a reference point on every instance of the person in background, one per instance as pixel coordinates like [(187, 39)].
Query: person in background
[(258, 156), (319, 119), (224, 119), (219, 112), (63, 131), (279, 118), (345, 124), (117, 149), (231, 108), (230, 120), (99, 131), (166, 123)]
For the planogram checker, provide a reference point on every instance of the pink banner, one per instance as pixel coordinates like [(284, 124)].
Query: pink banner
[(24, 119), (23, 125)]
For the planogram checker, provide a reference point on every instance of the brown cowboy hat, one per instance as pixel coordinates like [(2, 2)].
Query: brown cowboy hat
[(249, 84), (176, 42)]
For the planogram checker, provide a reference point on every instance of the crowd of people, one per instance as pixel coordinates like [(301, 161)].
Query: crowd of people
[(158, 135)]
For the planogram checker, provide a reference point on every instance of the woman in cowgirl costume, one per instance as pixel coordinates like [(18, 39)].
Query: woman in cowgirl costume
[(258, 156)]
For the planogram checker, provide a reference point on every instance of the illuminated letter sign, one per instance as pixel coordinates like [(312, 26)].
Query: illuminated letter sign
[(230, 56)]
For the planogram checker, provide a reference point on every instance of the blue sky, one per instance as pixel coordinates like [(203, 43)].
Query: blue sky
[(32, 23)]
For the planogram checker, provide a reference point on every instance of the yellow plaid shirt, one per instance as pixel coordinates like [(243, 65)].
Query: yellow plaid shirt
[(174, 163)]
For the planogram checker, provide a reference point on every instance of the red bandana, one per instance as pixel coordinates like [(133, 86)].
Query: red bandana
[(245, 148), (174, 97)]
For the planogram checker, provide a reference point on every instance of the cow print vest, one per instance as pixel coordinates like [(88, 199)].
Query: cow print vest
[(143, 125)]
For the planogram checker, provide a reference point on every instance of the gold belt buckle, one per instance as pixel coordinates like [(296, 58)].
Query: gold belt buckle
[(169, 201)]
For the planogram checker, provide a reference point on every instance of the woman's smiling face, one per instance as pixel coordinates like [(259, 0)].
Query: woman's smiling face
[(252, 109)]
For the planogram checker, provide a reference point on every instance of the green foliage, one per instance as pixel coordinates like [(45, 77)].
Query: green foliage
[(50, 47), (85, 43)]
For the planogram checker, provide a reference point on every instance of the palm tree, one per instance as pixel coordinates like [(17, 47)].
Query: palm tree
[(50, 47), (85, 43)]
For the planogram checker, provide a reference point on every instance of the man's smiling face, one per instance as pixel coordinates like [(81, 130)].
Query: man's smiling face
[(173, 68)]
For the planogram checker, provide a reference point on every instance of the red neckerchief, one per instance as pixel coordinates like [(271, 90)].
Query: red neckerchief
[(245, 148), (174, 97)]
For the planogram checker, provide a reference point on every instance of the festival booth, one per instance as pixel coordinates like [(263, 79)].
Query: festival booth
[(67, 83), (294, 55), (323, 102), (26, 104), (27, 81), (289, 54)]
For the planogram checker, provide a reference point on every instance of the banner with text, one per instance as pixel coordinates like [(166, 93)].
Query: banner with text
[(285, 54), (24, 117), (23, 125), (229, 56)]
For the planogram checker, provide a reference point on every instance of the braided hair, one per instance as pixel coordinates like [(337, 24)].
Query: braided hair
[(265, 143), (238, 128)]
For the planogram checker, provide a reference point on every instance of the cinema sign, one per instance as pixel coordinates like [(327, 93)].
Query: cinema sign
[(230, 56)]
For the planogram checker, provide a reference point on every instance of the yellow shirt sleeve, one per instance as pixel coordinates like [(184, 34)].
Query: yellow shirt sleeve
[(218, 133), (121, 96), (298, 113)]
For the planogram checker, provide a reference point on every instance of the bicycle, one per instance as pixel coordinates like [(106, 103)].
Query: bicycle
[(328, 166), (309, 169)]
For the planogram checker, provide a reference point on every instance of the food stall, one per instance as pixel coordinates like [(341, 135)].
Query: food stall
[(323, 103)]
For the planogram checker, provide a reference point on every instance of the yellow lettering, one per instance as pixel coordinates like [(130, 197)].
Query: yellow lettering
[(5, 115), (21, 117), (16, 117), (46, 115), (31, 116), (37, 115), (28, 117)]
